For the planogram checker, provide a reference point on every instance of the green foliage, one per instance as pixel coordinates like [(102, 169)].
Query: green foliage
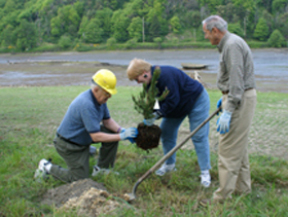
[(156, 20), (44, 47), (105, 17), (147, 97), (175, 24), (26, 36), (7, 37), (276, 39), (211, 4), (236, 28), (111, 42), (158, 40), (131, 43), (123, 19), (135, 28), (192, 19), (279, 5), (64, 42), (283, 24), (93, 32), (82, 28), (120, 25), (262, 30)]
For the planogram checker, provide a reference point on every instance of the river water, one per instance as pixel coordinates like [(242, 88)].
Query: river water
[(270, 64)]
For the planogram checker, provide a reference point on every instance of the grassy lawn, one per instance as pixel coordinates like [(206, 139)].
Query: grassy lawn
[(29, 117)]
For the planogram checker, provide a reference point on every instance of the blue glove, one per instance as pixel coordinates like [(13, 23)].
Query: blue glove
[(223, 122), (150, 121), (219, 103), (129, 133)]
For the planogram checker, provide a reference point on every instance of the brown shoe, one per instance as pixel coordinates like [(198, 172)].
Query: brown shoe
[(205, 202)]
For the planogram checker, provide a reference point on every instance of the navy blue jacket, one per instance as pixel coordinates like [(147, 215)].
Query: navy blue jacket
[(183, 91)]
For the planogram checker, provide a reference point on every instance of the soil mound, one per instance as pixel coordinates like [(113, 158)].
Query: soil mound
[(86, 196)]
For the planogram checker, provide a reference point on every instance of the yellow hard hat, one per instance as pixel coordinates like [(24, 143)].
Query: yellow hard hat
[(106, 80)]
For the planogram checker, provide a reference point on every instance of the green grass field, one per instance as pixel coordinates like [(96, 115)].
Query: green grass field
[(29, 117)]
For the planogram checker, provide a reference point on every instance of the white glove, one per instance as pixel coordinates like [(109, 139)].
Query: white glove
[(129, 133), (223, 122)]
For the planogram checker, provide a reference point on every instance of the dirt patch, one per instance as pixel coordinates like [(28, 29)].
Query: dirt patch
[(86, 196)]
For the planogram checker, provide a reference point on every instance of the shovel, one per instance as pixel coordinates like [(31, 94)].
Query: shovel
[(132, 196)]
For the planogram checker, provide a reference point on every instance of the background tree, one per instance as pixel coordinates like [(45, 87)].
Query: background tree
[(7, 37), (135, 28), (105, 16), (279, 6), (65, 41), (249, 7), (236, 28), (66, 21), (26, 35), (276, 39), (282, 24), (82, 28), (262, 30), (156, 20), (175, 24), (192, 19), (123, 19), (120, 23), (93, 32)]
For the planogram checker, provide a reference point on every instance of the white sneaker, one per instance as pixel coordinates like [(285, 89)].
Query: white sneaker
[(165, 168), (205, 180), (97, 170), (41, 173)]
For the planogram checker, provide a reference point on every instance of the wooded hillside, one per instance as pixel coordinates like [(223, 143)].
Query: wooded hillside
[(26, 24)]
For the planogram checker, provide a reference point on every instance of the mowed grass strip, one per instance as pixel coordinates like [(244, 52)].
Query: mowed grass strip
[(29, 117)]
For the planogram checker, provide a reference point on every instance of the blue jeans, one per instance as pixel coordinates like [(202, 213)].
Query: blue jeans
[(200, 139)]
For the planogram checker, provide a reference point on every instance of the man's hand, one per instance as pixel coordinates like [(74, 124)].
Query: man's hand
[(223, 122), (219, 104), (129, 133), (130, 139), (150, 121)]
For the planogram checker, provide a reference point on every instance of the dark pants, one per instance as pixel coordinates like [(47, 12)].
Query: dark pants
[(77, 159)]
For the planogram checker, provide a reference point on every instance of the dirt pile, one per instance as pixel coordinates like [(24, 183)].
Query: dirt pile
[(89, 198)]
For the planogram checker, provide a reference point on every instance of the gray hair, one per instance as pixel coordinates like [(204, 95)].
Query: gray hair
[(215, 21), (93, 85)]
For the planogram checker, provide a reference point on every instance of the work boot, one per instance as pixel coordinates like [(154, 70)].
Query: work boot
[(97, 170), (42, 172), (165, 168)]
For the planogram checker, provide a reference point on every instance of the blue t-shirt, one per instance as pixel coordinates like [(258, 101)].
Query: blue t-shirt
[(83, 116), (183, 91)]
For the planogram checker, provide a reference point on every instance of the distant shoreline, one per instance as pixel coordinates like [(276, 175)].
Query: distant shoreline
[(57, 73)]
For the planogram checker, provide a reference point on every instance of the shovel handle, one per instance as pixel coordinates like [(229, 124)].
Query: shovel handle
[(172, 151)]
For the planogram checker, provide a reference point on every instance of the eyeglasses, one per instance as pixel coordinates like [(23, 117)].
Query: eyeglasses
[(106, 93)]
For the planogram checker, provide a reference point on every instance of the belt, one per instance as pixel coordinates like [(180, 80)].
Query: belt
[(67, 140), (227, 91)]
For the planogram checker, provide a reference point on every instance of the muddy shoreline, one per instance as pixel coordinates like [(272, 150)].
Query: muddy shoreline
[(64, 73)]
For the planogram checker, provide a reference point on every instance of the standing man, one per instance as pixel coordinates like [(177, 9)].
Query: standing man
[(82, 126), (187, 97), (237, 83)]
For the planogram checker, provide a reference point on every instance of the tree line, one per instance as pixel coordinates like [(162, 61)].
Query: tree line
[(27, 24)]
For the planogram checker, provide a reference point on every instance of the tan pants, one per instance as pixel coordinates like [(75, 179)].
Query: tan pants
[(233, 161)]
